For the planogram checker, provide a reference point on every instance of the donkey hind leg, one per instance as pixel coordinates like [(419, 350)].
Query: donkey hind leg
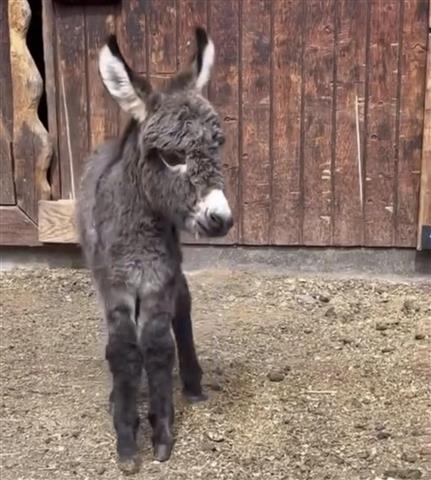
[(159, 354), (125, 362), (190, 370)]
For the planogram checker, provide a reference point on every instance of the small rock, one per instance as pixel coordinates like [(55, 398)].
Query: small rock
[(419, 336), (387, 349), (100, 470), (346, 341), (308, 331), (410, 305), (408, 457), (324, 298), (215, 437), (306, 299), (360, 426), (215, 386), (330, 312), (275, 376), (364, 455), (75, 433), (403, 473), (383, 435), (380, 326)]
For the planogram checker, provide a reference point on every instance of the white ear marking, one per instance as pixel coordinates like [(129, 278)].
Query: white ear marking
[(207, 64), (117, 81)]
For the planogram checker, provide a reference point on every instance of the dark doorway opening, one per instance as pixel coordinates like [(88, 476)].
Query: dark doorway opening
[(35, 45)]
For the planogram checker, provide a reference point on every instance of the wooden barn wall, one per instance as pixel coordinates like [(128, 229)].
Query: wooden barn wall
[(322, 103)]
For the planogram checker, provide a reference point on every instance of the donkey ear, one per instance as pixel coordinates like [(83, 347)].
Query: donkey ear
[(198, 73), (122, 83), (204, 59)]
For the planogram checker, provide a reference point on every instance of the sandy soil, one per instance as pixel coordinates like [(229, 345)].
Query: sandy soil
[(308, 379)]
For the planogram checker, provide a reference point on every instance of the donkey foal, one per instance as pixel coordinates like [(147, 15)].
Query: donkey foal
[(162, 176)]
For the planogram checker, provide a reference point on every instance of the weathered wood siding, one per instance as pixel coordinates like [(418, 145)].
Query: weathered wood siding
[(322, 103)]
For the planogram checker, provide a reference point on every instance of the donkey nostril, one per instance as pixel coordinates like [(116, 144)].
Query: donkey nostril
[(216, 219)]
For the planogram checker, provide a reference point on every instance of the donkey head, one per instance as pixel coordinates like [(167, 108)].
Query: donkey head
[(178, 138)]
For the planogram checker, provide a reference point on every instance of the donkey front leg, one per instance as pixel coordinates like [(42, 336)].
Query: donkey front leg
[(125, 362), (159, 355), (190, 370)]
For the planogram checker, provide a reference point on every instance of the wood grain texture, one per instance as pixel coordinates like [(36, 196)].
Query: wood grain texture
[(32, 149), (425, 184), (16, 228), (103, 112), (348, 171), (7, 188), (256, 160), (413, 71), (72, 95), (381, 119), (224, 21), (190, 15), (51, 88), (318, 110), (286, 208), (57, 222), (162, 29), (132, 33)]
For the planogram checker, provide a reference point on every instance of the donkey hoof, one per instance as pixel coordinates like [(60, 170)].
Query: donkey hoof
[(195, 398), (129, 465), (162, 452)]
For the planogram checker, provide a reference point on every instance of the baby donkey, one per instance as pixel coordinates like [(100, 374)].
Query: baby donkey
[(162, 176)]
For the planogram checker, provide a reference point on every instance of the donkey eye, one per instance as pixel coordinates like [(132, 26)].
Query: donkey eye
[(173, 159)]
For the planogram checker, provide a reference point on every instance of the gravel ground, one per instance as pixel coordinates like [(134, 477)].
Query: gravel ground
[(309, 378)]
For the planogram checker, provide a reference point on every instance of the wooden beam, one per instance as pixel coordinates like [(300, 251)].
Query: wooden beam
[(16, 228), (425, 189), (57, 221), (57, 224)]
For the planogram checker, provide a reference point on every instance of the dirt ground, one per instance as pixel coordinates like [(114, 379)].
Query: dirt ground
[(308, 378)]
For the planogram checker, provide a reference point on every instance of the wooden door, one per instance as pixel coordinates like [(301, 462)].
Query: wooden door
[(25, 150)]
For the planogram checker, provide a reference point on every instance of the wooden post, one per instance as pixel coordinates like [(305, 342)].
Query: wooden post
[(424, 227)]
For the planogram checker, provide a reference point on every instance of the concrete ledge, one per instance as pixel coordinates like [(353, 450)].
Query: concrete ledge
[(351, 261)]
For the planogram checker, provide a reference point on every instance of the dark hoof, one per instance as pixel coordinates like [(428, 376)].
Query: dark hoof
[(162, 452), (193, 398), (129, 465)]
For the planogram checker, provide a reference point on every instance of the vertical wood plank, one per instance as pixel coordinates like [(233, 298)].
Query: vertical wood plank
[(318, 110), (162, 26), (224, 21), (51, 89), (7, 190), (102, 109), (132, 33), (425, 187), (413, 71), (351, 53), (72, 105), (32, 149), (286, 211), (190, 14), (381, 136), (256, 80)]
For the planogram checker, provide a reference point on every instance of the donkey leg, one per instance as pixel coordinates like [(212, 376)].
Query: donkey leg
[(190, 370), (159, 355), (125, 362)]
